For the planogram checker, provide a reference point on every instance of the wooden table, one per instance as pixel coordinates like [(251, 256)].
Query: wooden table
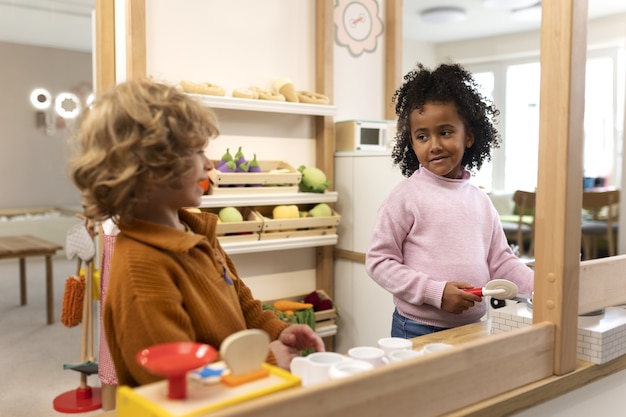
[(25, 246)]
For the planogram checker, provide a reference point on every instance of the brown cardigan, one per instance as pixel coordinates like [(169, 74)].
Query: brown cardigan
[(167, 285)]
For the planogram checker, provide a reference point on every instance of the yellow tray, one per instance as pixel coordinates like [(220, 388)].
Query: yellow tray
[(151, 400)]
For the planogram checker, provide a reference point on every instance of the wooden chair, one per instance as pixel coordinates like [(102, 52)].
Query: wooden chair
[(521, 225), (600, 221)]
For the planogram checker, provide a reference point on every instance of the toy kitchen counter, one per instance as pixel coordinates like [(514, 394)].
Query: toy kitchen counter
[(507, 403), (601, 335)]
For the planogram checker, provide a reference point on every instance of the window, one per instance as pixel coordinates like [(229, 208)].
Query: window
[(515, 89)]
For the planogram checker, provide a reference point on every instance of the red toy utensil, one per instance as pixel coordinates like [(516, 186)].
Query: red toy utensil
[(501, 289)]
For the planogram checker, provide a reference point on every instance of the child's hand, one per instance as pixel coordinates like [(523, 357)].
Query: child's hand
[(292, 340), (455, 300)]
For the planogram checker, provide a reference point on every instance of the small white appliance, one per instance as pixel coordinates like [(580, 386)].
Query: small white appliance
[(364, 135)]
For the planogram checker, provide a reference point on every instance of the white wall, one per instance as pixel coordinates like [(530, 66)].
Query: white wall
[(33, 164), (239, 44)]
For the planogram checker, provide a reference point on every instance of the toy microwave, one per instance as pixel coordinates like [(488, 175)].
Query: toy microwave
[(365, 135)]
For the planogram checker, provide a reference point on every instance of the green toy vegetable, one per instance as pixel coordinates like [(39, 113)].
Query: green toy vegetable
[(313, 180), (321, 210)]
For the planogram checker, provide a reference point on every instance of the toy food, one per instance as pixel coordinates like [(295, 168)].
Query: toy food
[(225, 158), (239, 158), (254, 165), (321, 210), (245, 93), (230, 214), (286, 212), (312, 98), (229, 166), (268, 95), (205, 184), (243, 167), (319, 304), (202, 88), (286, 305), (313, 180), (285, 87)]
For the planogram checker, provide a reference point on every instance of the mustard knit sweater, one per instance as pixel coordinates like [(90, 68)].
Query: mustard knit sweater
[(168, 286)]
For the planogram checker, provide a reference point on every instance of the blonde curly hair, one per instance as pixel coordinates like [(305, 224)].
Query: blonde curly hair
[(138, 136)]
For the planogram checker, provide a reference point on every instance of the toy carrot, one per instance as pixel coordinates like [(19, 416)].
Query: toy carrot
[(284, 305)]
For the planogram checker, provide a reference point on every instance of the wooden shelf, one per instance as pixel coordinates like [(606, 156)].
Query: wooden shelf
[(279, 244), (243, 200), (270, 106)]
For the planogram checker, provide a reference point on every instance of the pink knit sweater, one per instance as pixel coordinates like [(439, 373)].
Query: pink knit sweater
[(430, 230)]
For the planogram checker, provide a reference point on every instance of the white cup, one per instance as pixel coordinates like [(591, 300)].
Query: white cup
[(435, 347), (370, 354), (403, 355), (392, 344), (349, 367), (313, 369)]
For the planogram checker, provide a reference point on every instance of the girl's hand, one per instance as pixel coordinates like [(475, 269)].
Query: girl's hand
[(455, 300), (292, 340)]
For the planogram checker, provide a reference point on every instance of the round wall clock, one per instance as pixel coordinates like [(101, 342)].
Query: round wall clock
[(358, 25)]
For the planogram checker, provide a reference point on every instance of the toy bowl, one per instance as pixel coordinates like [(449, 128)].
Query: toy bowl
[(174, 360)]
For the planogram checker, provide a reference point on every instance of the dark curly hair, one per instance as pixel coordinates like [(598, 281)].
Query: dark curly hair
[(448, 83)]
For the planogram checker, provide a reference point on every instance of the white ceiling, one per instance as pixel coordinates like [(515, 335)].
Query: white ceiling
[(481, 21), (67, 23), (64, 24)]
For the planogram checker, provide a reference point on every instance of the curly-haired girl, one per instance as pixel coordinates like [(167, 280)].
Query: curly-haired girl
[(139, 158), (437, 234)]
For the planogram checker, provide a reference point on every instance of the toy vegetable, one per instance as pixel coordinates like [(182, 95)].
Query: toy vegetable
[(286, 212), (313, 180), (286, 305), (227, 157)]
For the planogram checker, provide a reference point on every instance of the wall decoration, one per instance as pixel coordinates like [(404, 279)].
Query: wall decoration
[(357, 25)]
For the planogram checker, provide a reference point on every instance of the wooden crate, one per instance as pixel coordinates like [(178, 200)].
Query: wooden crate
[(273, 173), (244, 231), (296, 227)]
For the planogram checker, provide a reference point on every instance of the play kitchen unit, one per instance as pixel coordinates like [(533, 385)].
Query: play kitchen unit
[(365, 175), (271, 206)]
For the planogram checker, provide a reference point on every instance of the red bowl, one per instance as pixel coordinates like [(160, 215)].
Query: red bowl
[(174, 360)]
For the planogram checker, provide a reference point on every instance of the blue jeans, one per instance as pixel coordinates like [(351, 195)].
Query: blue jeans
[(407, 328)]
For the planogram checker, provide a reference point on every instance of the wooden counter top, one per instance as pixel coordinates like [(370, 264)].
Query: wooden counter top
[(529, 395), (517, 399)]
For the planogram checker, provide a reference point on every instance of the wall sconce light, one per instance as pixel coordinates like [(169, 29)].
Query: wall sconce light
[(67, 106)]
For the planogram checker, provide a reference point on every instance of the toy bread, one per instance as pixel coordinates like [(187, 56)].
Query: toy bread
[(202, 88), (312, 98), (268, 95), (285, 87), (245, 93)]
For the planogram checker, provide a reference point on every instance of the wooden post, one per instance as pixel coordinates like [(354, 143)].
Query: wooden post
[(135, 39), (104, 72), (559, 188), (393, 53)]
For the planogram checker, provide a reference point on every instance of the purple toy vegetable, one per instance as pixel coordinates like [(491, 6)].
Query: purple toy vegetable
[(227, 167), (225, 158), (239, 158), (254, 165)]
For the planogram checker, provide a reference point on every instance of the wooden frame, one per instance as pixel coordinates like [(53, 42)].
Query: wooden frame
[(529, 359), (104, 45)]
